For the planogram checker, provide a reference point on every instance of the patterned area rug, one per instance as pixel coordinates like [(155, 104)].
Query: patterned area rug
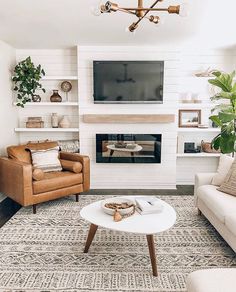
[(44, 252)]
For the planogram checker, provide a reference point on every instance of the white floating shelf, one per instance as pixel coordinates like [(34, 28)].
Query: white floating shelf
[(196, 105), (63, 77), (46, 130), (214, 130), (197, 155), (69, 103)]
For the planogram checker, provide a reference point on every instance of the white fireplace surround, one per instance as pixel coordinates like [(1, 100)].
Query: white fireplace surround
[(123, 176)]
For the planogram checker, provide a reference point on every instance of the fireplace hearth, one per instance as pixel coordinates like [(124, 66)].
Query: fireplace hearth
[(128, 148)]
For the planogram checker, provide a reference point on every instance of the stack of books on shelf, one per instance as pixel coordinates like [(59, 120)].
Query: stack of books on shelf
[(148, 205), (34, 122)]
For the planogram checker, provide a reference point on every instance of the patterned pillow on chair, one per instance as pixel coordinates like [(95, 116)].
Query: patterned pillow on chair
[(47, 160)]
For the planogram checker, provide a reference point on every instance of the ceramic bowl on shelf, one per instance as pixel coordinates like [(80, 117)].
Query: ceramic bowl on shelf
[(118, 200)]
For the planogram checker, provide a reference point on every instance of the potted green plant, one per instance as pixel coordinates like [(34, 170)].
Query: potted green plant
[(225, 116), (26, 79)]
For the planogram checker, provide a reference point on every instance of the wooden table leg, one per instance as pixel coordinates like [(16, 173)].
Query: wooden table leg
[(92, 230), (152, 253)]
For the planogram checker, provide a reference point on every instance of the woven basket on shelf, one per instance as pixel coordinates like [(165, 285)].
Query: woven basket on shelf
[(206, 147)]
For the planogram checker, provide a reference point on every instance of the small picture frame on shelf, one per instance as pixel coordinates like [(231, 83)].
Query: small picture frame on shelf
[(189, 118)]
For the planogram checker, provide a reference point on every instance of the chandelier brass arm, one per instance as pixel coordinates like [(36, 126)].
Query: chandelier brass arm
[(134, 25), (140, 11)]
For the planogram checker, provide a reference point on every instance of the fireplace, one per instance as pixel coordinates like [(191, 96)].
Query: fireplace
[(128, 148)]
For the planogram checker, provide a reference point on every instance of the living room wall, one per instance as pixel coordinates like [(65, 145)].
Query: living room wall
[(179, 79), (8, 113)]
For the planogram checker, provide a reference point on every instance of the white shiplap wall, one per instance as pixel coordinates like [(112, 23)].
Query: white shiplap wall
[(136, 176), (192, 62), (55, 63), (179, 79)]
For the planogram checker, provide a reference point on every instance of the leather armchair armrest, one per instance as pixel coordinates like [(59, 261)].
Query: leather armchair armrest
[(16, 180), (86, 166)]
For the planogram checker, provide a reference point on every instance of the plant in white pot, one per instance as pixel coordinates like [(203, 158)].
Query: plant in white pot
[(26, 79)]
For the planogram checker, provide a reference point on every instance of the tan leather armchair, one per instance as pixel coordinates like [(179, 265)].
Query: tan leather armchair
[(17, 183)]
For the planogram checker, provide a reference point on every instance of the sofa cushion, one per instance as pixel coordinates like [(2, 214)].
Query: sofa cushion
[(212, 280), (21, 153), (229, 184), (225, 163), (219, 203), (230, 222), (57, 180)]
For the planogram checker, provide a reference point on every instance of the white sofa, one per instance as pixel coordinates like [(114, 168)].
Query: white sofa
[(219, 208), (213, 280)]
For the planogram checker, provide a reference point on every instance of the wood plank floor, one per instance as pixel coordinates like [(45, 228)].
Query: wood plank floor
[(7, 209)]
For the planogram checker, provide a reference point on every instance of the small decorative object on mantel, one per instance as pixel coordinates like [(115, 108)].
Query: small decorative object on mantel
[(119, 208), (36, 98), (207, 147), (64, 122), (54, 120), (66, 87), (189, 118), (207, 73), (34, 122), (55, 97), (26, 79)]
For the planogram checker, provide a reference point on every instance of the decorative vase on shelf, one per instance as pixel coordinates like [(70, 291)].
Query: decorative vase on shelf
[(64, 122), (54, 120), (36, 98), (55, 96)]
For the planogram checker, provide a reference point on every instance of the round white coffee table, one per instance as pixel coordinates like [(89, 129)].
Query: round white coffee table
[(139, 224)]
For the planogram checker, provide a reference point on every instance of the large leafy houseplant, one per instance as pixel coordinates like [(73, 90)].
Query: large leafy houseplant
[(225, 116), (26, 79)]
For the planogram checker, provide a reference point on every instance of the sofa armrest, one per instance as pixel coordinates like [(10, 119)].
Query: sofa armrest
[(86, 166), (16, 180), (202, 179)]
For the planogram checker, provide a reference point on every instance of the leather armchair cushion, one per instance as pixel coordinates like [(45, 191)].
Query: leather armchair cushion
[(21, 153), (72, 166), (57, 180), (38, 174)]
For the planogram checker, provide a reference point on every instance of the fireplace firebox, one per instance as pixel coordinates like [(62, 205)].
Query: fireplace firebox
[(128, 148)]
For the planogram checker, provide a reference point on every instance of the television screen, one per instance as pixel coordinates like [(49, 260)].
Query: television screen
[(128, 81)]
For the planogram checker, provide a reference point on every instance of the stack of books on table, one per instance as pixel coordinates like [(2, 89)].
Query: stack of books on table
[(148, 205)]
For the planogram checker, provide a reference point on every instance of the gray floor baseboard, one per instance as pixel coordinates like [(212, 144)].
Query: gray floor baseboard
[(181, 190)]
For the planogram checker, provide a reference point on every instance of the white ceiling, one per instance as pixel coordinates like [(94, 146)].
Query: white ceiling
[(65, 23)]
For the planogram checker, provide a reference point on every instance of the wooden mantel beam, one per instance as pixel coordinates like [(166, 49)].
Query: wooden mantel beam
[(129, 119)]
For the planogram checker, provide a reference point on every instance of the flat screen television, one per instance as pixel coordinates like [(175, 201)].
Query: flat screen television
[(128, 81)]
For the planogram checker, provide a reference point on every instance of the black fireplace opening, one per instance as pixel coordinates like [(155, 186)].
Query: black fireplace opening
[(128, 148)]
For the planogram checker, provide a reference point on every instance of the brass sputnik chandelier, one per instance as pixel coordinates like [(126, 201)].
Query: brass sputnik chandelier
[(141, 12)]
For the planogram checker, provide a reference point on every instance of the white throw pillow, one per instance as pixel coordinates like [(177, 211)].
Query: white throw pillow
[(47, 160), (225, 163)]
